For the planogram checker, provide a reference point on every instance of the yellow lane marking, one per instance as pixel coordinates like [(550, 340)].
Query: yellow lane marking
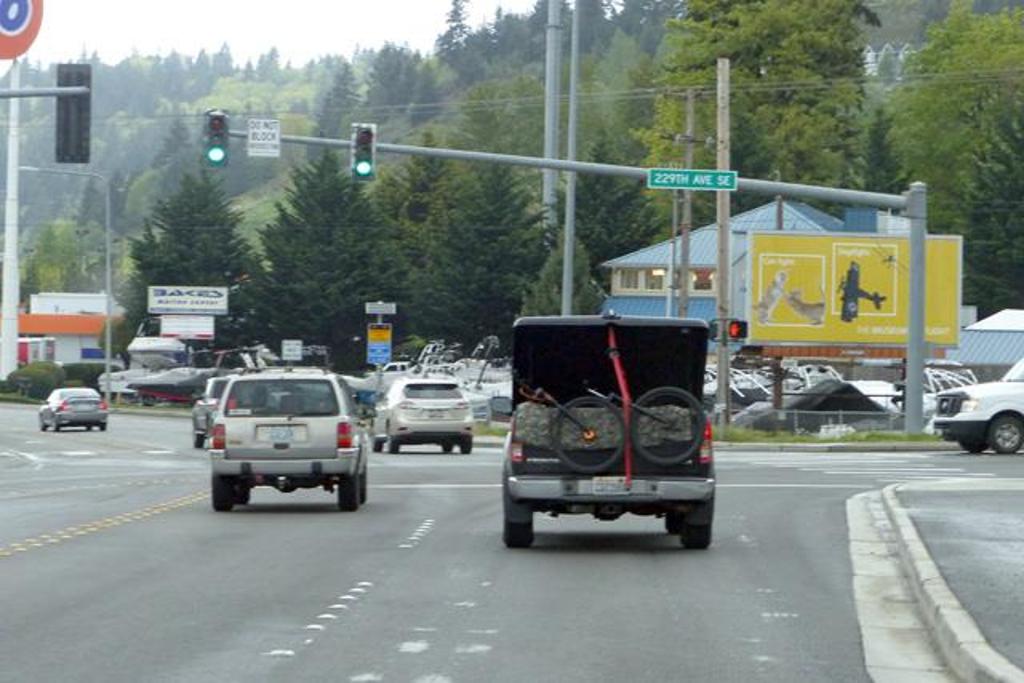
[(71, 532)]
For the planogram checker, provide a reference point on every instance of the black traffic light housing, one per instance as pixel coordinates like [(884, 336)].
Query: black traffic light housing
[(736, 330), (364, 151), (216, 138), (74, 114)]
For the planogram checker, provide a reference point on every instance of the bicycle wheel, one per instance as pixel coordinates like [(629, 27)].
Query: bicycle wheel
[(588, 435), (667, 426)]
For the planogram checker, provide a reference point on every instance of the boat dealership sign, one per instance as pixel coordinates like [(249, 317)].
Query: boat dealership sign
[(188, 300)]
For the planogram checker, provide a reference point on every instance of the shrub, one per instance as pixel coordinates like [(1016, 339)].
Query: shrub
[(37, 380), (84, 374)]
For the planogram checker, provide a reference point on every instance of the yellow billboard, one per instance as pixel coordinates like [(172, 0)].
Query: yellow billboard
[(832, 288)]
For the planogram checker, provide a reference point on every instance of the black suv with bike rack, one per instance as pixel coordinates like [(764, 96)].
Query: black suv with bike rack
[(607, 419)]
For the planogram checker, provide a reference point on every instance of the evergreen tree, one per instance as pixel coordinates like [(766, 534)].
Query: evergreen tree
[(338, 103), (613, 215), (995, 242), (882, 171), (453, 40), (325, 255), (544, 296), (192, 239), (488, 256)]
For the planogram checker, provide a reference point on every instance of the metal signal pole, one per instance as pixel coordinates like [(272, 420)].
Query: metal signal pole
[(722, 274)]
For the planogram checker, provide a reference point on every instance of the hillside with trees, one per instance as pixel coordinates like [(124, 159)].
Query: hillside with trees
[(461, 246)]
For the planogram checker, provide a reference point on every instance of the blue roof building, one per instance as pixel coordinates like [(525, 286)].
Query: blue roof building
[(640, 279)]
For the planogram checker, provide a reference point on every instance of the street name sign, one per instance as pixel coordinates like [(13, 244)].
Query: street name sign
[(378, 343), (691, 179), (380, 308), (291, 350), (264, 138)]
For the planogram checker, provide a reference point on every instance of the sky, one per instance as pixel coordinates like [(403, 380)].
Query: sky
[(300, 29)]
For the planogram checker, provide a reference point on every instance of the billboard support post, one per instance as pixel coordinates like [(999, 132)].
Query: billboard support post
[(917, 208)]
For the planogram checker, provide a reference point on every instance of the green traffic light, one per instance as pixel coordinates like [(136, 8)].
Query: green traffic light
[(364, 168), (216, 155)]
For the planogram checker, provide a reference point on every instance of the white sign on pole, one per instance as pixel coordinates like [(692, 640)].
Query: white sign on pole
[(175, 300), (187, 326), (291, 350), (264, 138), (380, 308)]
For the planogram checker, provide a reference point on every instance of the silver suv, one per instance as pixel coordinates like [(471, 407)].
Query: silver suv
[(205, 410), (288, 429)]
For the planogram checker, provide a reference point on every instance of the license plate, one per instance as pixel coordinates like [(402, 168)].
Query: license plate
[(436, 414), (83, 407), (606, 485), (281, 434)]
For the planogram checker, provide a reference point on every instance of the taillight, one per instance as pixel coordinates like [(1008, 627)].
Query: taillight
[(103, 405), (407, 405), (462, 405), (707, 451), (344, 435), (515, 451), (219, 439), (63, 406)]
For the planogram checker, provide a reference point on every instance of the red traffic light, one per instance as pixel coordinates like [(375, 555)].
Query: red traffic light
[(737, 329)]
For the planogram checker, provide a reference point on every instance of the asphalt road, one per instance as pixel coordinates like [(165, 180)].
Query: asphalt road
[(113, 567)]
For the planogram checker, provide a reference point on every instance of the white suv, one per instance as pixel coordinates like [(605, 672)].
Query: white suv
[(981, 416), (288, 429), (423, 411)]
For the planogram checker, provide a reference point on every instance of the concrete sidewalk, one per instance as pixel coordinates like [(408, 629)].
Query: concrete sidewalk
[(961, 544)]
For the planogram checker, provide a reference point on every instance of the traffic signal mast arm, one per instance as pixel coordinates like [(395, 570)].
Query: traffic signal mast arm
[(769, 187)]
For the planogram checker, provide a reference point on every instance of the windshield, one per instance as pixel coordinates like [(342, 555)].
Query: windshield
[(1016, 373), (282, 397), (432, 391)]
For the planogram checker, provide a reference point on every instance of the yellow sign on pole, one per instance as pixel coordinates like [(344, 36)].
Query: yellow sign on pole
[(849, 289), (378, 333)]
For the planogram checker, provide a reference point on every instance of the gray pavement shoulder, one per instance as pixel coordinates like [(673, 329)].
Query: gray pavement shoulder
[(957, 635)]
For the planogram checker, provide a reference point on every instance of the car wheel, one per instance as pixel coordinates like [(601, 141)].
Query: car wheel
[(447, 447), (88, 428), (42, 425), (348, 494), (466, 446), (362, 487), (1006, 434), (103, 426), (674, 523), (695, 536), (222, 493), (56, 426), (242, 494), (378, 444), (973, 446), (518, 522), (393, 445), (198, 440)]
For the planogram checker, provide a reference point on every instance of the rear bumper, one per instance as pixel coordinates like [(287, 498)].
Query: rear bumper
[(345, 464), (962, 430), (414, 438), (567, 490), (83, 418), (410, 431)]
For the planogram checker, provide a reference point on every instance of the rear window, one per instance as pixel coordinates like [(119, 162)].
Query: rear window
[(280, 397), (432, 391), (78, 393), (217, 388)]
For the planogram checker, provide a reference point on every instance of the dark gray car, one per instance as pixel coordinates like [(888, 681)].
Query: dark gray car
[(205, 410), (73, 408)]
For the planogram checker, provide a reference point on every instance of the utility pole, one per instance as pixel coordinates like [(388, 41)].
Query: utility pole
[(12, 291), (552, 95), (569, 249), (722, 275), (687, 224)]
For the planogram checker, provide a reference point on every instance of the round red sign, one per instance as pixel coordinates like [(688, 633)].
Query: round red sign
[(19, 25)]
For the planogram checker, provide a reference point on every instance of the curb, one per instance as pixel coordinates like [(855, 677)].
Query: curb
[(959, 639)]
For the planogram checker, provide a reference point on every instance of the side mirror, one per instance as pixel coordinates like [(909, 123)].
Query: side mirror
[(501, 406)]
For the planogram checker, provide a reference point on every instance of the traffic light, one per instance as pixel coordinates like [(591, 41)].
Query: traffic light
[(364, 151), (737, 330), (216, 138), (74, 114)]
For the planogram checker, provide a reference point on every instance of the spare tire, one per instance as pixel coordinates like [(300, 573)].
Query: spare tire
[(667, 426), (588, 435)]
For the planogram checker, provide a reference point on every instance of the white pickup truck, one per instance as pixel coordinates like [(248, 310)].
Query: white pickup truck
[(983, 416)]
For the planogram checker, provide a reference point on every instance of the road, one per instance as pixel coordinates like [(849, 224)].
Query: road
[(113, 567)]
